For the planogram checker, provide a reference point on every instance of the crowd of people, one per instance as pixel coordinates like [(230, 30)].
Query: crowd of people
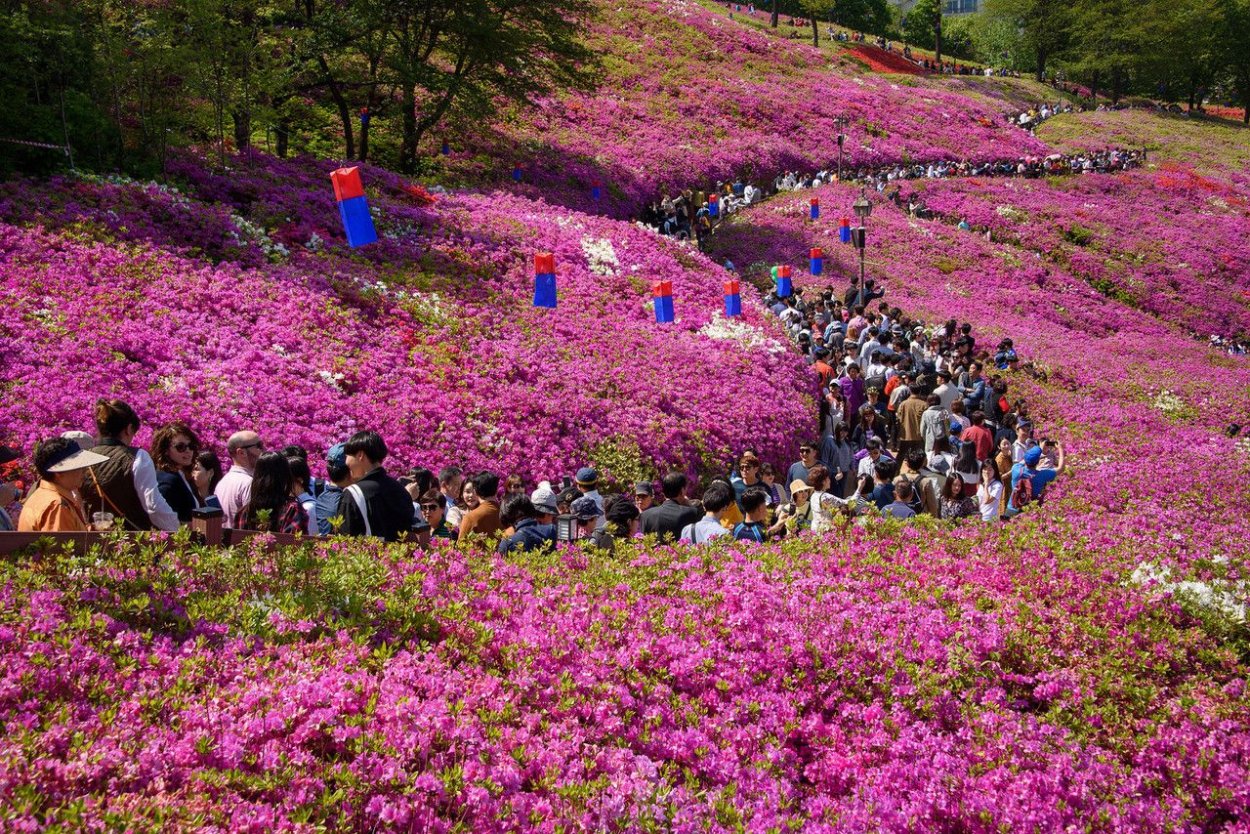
[(689, 215), (912, 421), (915, 420)]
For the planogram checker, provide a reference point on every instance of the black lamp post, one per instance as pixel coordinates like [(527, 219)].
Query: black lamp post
[(863, 210), (840, 124)]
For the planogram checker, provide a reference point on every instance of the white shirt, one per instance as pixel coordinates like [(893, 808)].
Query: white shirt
[(154, 504), (867, 466), (947, 393), (824, 505), (989, 499), (1018, 449)]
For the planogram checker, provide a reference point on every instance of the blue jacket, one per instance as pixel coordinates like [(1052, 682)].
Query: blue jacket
[(529, 535)]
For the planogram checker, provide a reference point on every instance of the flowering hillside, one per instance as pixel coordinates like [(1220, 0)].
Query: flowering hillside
[(1080, 668), (428, 336), (1167, 241), (690, 97)]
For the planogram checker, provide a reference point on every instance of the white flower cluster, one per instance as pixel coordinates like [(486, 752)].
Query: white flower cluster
[(248, 232), (1011, 213), (1170, 404), (736, 330), (1218, 594), (600, 256), (334, 380)]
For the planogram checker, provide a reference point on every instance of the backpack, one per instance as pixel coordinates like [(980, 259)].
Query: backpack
[(1022, 492), (917, 493), (754, 531)]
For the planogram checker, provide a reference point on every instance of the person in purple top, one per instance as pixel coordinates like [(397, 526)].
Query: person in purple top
[(852, 385)]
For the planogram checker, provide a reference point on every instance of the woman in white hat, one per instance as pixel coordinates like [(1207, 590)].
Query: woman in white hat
[(55, 505)]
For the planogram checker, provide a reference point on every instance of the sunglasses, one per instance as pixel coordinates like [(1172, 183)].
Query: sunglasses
[(257, 445), (429, 508), (183, 447)]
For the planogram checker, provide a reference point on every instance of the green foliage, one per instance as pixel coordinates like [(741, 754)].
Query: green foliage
[(922, 21)]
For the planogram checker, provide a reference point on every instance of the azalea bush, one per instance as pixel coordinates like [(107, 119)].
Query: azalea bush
[(429, 336), (691, 97), (887, 677), (1169, 240)]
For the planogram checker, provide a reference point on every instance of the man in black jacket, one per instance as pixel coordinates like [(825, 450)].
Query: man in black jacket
[(668, 519), (375, 504)]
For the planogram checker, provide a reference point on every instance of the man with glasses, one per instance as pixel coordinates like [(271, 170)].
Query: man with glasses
[(807, 459), (234, 490)]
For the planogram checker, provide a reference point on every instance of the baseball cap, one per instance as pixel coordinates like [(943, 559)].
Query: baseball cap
[(337, 456), (585, 509), (1033, 455), (587, 476), (644, 488)]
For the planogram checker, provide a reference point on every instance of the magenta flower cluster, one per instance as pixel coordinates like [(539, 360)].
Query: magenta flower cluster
[(429, 337)]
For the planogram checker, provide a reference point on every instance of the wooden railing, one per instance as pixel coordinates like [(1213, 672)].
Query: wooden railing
[(206, 523)]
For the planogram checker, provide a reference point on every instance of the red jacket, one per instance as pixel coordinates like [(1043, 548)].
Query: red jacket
[(980, 437)]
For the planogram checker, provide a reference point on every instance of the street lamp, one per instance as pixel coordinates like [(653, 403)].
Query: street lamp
[(840, 124), (863, 210)]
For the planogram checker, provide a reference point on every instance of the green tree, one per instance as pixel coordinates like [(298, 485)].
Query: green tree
[(863, 15), (1236, 59), (922, 23), (816, 11), (46, 79), (1108, 38), (471, 54), (1042, 28)]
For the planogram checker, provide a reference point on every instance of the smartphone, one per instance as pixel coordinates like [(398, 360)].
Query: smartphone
[(568, 482)]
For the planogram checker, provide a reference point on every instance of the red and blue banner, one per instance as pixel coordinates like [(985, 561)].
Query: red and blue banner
[(818, 261), (662, 295), (733, 298), (545, 280), (349, 192), (815, 204), (785, 284), (713, 205), (844, 230)]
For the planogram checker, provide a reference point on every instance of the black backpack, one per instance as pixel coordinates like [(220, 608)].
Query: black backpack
[(917, 495)]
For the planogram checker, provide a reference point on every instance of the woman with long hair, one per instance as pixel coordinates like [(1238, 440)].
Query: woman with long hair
[(126, 484), (274, 497), (206, 473), (968, 469), (837, 453), (990, 492), (174, 448), (955, 505)]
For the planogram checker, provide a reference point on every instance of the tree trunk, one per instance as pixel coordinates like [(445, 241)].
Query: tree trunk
[(1093, 88), (408, 145), (774, 14), (345, 112), (937, 35), (242, 119), (1117, 79), (815, 32), (1041, 65), (282, 131)]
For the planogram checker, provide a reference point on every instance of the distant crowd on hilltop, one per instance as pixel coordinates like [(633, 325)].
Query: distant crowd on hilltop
[(914, 419), (688, 213)]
